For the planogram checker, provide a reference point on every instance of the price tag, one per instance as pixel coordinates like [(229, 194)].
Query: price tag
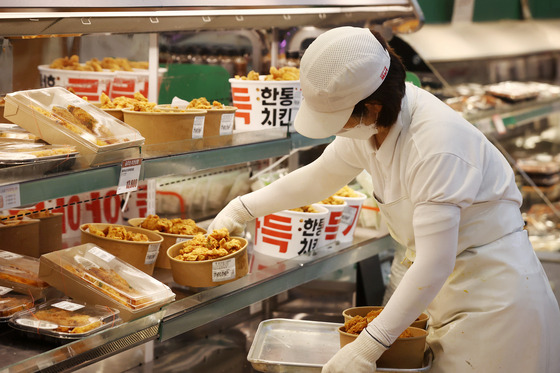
[(9, 196), (130, 173), (226, 124), (181, 239), (4, 290), (348, 215), (68, 306), (102, 254), (9, 256), (223, 270), (499, 124), (151, 255), (198, 127)]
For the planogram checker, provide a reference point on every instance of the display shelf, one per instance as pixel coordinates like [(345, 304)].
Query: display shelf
[(162, 16), (246, 147), (513, 115), (192, 309)]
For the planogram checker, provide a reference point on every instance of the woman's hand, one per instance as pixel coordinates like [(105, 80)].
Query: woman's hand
[(359, 356), (234, 217)]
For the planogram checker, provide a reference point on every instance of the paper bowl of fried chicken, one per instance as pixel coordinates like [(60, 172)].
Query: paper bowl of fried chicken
[(209, 259), (172, 231), (137, 246), (407, 352), (370, 312)]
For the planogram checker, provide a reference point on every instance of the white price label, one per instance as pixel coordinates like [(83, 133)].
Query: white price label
[(198, 128), (349, 215), (151, 255), (223, 270), (37, 324), (181, 239), (499, 124), (4, 290), (9, 256), (9, 196), (102, 254), (130, 173), (226, 124), (68, 306)]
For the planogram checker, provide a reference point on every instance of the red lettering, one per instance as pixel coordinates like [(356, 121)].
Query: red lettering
[(95, 207), (73, 211), (111, 206)]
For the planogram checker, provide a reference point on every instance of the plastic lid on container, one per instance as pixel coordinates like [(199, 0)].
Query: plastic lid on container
[(33, 151), (65, 318), (17, 269), (12, 303), (59, 109), (111, 276)]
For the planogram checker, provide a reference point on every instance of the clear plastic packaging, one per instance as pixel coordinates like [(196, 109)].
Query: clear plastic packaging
[(60, 117), (65, 319), (21, 273), (13, 132), (89, 273), (19, 153), (11, 303)]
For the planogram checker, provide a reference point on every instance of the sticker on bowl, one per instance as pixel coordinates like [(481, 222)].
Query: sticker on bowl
[(198, 128), (102, 254), (68, 306), (38, 324), (226, 124), (9, 256), (223, 270), (181, 239), (151, 255)]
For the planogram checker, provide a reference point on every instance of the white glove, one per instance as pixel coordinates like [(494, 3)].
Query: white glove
[(358, 356), (234, 217)]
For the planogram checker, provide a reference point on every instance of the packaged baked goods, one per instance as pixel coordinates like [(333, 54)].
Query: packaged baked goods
[(64, 319), (61, 157), (60, 117), (11, 303), (93, 275), (12, 132), (21, 273)]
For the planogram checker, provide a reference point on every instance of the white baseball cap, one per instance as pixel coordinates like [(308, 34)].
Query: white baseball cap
[(339, 69)]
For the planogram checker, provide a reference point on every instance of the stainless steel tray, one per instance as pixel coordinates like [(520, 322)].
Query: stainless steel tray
[(285, 345)]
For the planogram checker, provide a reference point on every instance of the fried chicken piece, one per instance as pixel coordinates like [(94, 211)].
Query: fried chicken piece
[(215, 245), (83, 117), (356, 324)]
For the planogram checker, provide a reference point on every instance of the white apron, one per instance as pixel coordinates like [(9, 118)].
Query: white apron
[(496, 312)]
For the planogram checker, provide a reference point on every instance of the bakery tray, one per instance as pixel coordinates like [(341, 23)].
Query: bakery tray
[(285, 345)]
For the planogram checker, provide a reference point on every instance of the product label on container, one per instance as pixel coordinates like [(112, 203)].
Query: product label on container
[(181, 239), (151, 255), (102, 254), (68, 306), (226, 124), (223, 270), (4, 290), (348, 215), (9, 256), (37, 324), (198, 127)]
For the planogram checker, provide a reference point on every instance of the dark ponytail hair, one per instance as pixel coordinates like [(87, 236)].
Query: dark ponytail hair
[(391, 91)]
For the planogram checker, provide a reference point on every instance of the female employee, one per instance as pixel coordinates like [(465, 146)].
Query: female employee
[(446, 194)]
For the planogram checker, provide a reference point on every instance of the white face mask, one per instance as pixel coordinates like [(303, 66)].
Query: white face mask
[(361, 131)]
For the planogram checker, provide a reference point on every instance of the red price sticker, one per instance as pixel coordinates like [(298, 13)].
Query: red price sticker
[(130, 173)]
